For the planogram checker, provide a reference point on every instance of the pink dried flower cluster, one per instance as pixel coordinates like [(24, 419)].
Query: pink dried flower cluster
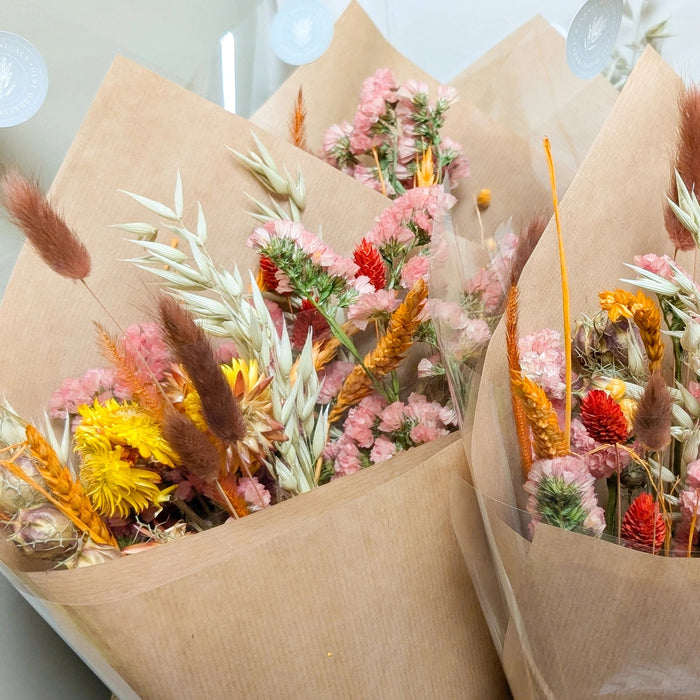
[(467, 336), (320, 253), (392, 128), (143, 343), (418, 207), (542, 360), (373, 305), (602, 463), (689, 505), (493, 280), (569, 471), (374, 431), (256, 494), (96, 383)]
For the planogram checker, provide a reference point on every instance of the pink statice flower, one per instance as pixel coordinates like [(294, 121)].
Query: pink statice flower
[(421, 205), (373, 305), (453, 151), (430, 367), (542, 360), (570, 479), (414, 269), (256, 495), (95, 384), (467, 336), (336, 147), (144, 342), (382, 450), (361, 420), (332, 377), (347, 459), (601, 463), (492, 280), (689, 503), (658, 264), (377, 92)]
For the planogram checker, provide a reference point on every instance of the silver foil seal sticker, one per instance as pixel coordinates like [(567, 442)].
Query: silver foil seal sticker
[(592, 36), (301, 31), (24, 79)]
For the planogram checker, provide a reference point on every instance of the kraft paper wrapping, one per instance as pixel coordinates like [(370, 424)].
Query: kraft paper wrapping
[(357, 589), (586, 618), (525, 83)]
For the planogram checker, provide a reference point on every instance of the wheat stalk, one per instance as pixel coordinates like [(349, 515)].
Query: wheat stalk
[(548, 439), (68, 494), (385, 358)]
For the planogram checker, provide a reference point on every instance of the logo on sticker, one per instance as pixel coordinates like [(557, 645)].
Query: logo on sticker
[(24, 79), (592, 36), (301, 31)]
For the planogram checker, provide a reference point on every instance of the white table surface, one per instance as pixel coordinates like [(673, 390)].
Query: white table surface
[(179, 39)]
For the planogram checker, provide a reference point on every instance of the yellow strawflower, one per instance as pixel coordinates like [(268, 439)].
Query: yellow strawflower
[(114, 485), (124, 424)]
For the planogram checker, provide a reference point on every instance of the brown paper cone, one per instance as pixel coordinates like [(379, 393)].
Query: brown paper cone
[(524, 83), (589, 618), (356, 589)]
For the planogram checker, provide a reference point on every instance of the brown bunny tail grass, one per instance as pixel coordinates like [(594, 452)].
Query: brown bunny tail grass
[(519, 416), (687, 163), (194, 352), (549, 440), (198, 455), (47, 232), (386, 357), (527, 240), (68, 494), (652, 420)]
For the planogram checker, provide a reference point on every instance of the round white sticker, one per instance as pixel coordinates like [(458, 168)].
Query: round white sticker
[(592, 36), (24, 79), (301, 31)]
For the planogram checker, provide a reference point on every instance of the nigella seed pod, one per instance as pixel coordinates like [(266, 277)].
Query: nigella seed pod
[(43, 531), (91, 553), (633, 476), (16, 493)]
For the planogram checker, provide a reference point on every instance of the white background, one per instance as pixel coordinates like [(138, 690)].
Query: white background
[(179, 39)]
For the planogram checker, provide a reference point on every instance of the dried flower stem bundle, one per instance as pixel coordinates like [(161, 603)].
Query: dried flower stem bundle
[(519, 416), (47, 232), (390, 350)]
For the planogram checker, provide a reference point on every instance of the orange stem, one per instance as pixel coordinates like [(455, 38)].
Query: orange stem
[(564, 291)]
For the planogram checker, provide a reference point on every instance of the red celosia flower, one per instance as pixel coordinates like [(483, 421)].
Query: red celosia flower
[(370, 262), (267, 271), (603, 418), (643, 526)]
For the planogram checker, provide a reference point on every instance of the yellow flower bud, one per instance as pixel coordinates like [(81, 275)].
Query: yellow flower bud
[(629, 410), (616, 389), (483, 199)]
